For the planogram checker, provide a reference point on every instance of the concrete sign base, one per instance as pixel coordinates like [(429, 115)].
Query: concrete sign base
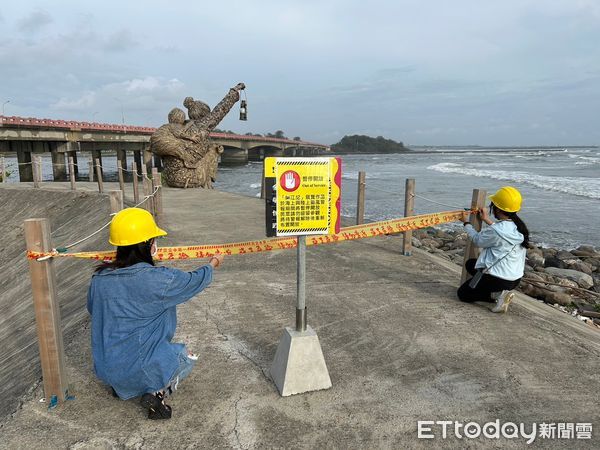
[(299, 365)]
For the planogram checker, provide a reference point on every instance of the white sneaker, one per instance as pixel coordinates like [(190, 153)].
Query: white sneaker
[(503, 299)]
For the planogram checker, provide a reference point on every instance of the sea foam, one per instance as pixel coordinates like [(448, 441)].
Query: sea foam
[(586, 187)]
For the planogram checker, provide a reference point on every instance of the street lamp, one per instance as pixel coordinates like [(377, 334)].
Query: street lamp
[(122, 113), (3, 104)]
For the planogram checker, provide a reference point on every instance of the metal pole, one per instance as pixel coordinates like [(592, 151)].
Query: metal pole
[(301, 285)]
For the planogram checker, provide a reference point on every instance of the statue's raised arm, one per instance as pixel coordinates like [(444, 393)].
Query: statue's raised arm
[(212, 119)]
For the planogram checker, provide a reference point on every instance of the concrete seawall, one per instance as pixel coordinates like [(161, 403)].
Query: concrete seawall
[(398, 344), (72, 216)]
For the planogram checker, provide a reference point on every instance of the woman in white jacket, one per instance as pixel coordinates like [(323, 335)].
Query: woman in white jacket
[(501, 264)]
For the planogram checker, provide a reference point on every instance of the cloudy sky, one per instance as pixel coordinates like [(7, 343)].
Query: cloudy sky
[(493, 72)]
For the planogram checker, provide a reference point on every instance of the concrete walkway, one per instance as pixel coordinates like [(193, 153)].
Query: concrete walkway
[(399, 347)]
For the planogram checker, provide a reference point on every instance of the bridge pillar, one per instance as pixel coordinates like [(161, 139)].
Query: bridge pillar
[(137, 157), (147, 158), (233, 156), (274, 152), (256, 154), (97, 159), (73, 155), (157, 162), (59, 165), (23, 149), (122, 156)]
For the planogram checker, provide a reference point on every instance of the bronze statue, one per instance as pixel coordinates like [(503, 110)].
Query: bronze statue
[(189, 157)]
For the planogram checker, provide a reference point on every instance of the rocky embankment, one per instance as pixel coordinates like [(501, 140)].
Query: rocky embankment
[(567, 280)]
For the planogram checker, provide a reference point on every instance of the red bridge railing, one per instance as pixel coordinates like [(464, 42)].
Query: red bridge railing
[(32, 122)]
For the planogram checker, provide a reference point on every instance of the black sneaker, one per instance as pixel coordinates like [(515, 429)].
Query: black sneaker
[(157, 409)]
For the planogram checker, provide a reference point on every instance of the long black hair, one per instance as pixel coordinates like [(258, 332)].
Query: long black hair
[(521, 227), (129, 255)]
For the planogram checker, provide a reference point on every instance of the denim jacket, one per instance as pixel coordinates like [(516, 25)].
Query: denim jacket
[(134, 318)]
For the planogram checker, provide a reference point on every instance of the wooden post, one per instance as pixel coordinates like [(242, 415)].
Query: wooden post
[(47, 311), (72, 173), (36, 171), (120, 174), (91, 169), (471, 251), (99, 175), (146, 188), (136, 189), (360, 198), (2, 169), (157, 186), (116, 201), (409, 210)]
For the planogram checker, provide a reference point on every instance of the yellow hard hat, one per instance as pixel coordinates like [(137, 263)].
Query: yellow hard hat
[(507, 198), (132, 226)]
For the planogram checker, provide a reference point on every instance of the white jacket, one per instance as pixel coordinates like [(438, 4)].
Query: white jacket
[(502, 250)]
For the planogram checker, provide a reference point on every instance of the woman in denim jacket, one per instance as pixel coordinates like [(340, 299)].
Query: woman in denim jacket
[(501, 263), (133, 307)]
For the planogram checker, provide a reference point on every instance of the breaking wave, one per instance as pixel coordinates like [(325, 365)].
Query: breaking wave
[(586, 187)]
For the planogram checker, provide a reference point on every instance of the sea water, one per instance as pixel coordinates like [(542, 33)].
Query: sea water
[(560, 188)]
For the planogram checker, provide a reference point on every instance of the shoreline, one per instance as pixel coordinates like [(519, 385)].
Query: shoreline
[(566, 280)]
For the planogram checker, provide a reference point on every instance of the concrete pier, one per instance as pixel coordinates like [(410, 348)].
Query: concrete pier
[(23, 150), (398, 344), (233, 156)]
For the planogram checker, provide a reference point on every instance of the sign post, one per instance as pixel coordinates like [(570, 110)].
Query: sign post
[(302, 197), (301, 285)]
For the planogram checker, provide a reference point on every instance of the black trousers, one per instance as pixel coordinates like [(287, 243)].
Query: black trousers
[(485, 287)]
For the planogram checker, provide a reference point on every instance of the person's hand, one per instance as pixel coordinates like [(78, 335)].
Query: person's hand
[(216, 260), (240, 87), (483, 214), (464, 216)]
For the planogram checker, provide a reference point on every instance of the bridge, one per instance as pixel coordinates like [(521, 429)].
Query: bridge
[(62, 138)]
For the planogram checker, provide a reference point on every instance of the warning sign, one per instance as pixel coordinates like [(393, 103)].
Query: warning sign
[(302, 196)]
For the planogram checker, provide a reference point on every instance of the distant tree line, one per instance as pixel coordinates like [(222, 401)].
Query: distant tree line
[(366, 144), (278, 134)]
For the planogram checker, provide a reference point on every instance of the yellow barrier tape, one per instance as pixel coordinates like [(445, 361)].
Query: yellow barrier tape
[(372, 229)]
